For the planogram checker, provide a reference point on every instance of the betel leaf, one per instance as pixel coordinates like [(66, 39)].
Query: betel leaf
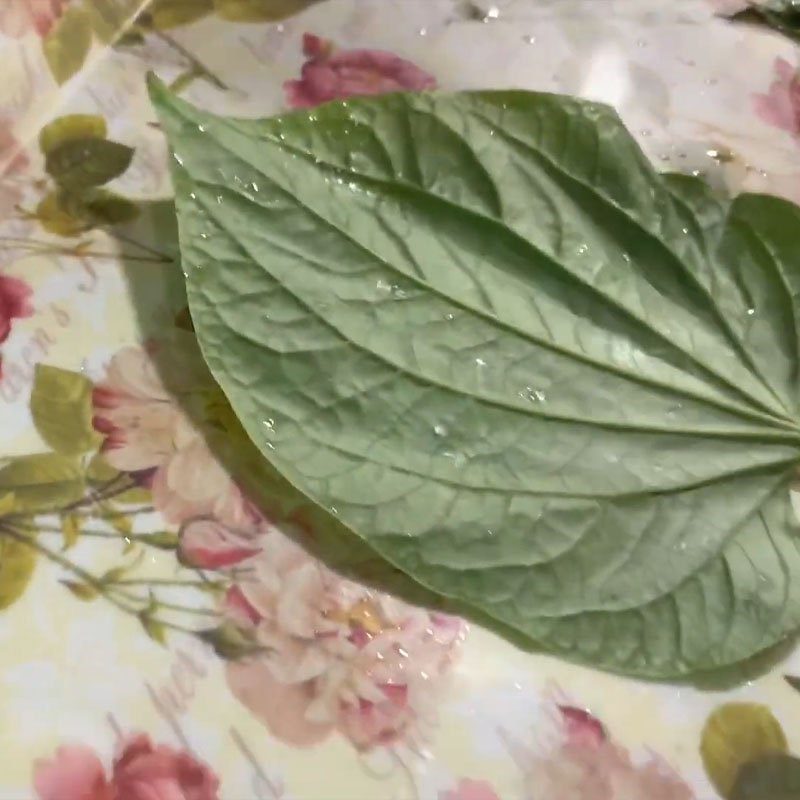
[(537, 376)]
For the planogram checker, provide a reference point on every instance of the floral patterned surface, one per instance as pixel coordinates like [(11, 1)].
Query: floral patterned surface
[(169, 634)]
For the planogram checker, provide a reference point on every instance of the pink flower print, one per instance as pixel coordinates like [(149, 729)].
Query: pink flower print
[(780, 107), (329, 74), (74, 773), (141, 771), (340, 657), (14, 303), (585, 764), (147, 432), (19, 17), (467, 789)]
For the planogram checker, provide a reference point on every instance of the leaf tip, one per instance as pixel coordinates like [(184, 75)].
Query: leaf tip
[(156, 88)]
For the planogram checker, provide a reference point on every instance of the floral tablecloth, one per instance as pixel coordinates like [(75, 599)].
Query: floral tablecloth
[(164, 638)]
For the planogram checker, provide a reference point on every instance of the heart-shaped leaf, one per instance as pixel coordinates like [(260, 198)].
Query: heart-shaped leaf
[(543, 380)]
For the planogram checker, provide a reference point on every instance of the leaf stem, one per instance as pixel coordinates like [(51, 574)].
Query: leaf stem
[(129, 512), (92, 498), (163, 582), (140, 538)]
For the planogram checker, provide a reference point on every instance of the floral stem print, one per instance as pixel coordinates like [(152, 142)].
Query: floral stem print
[(196, 67), (79, 250), (91, 586)]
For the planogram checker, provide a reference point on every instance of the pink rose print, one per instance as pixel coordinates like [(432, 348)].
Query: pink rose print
[(341, 657), (781, 105), (470, 790), (14, 303), (585, 764), (141, 771), (19, 17), (329, 74), (74, 773)]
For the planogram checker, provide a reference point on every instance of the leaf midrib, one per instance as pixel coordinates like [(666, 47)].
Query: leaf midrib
[(209, 209)]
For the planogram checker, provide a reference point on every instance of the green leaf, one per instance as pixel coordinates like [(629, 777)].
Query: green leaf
[(83, 591), (734, 735), (69, 128), (538, 377), (137, 495), (154, 629), (73, 212), (120, 522), (107, 208), (113, 575), (260, 10), (82, 163), (7, 503), (230, 642), (775, 777), (68, 43), (43, 482), (17, 562), (61, 406), (70, 529), (60, 217), (162, 15), (164, 540), (110, 18), (99, 471)]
